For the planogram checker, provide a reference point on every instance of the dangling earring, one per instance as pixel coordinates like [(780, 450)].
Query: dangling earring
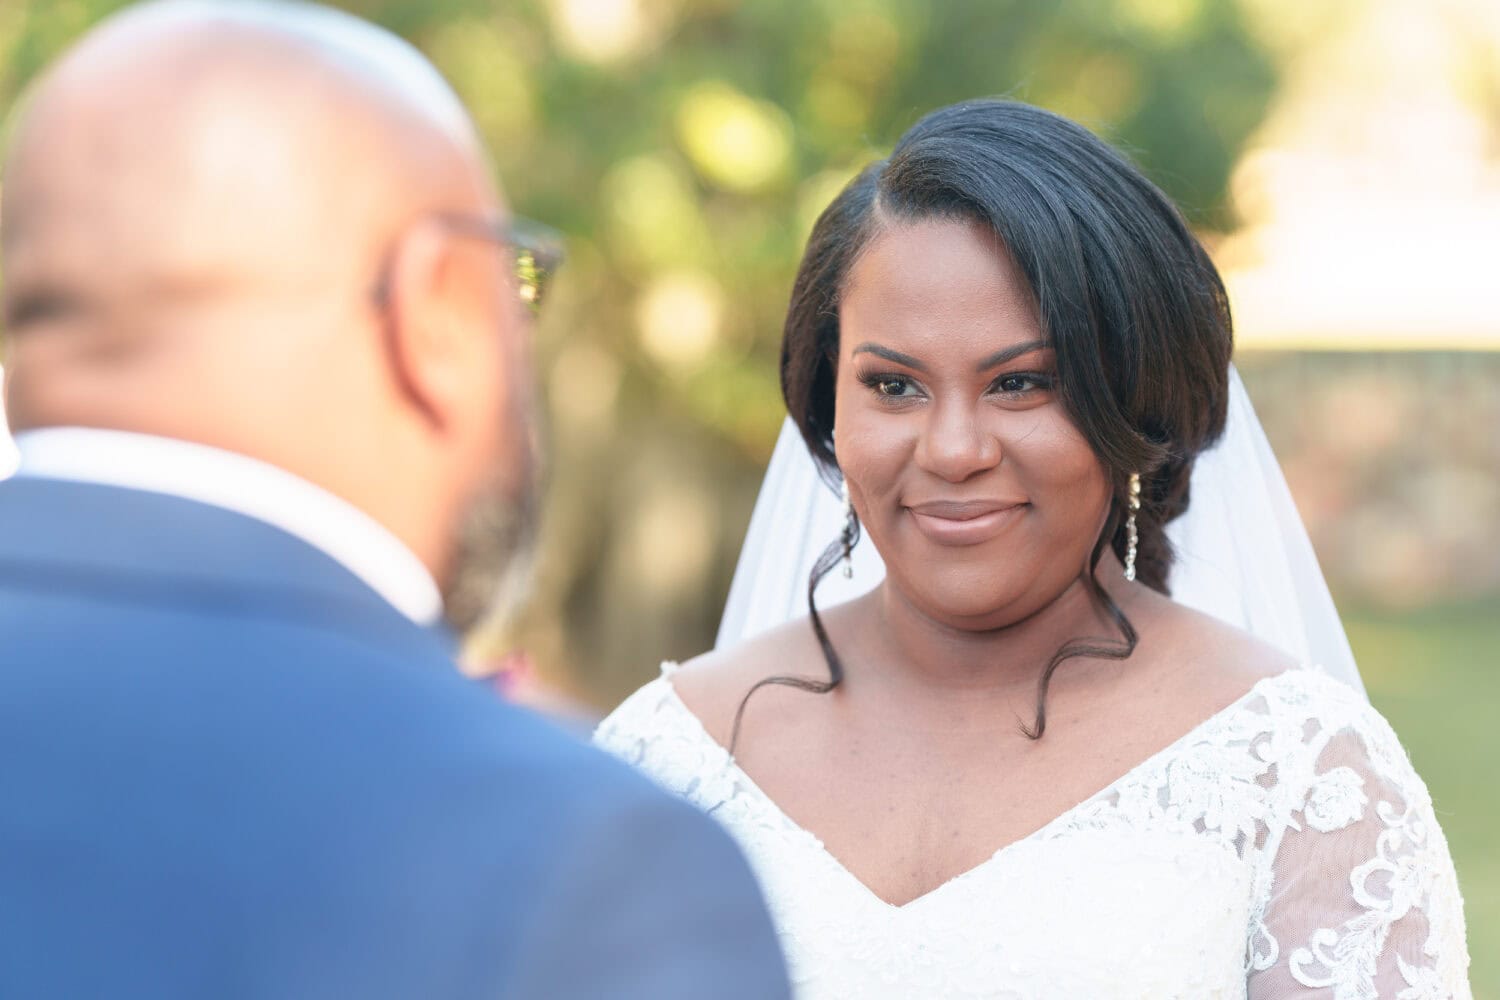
[(849, 522), (850, 519), (1132, 538)]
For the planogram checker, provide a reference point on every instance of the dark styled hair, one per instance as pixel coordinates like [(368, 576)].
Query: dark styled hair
[(1127, 298)]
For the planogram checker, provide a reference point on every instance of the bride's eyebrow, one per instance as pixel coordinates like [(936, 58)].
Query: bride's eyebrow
[(1010, 354), (889, 355)]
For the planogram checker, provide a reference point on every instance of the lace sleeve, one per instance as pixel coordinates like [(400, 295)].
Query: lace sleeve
[(1359, 899)]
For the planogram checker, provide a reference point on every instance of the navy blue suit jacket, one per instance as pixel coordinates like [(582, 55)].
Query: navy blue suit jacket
[(229, 769)]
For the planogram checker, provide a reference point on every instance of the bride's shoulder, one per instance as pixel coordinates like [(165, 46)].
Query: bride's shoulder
[(1207, 663), (1217, 663), (1295, 706), (701, 695), (713, 684)]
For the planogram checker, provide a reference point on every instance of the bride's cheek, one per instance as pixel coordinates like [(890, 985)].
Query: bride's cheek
[(1055, 454), (1062, 477), (874, 460)]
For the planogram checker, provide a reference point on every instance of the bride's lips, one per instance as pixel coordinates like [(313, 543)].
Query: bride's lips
[(950, 522)]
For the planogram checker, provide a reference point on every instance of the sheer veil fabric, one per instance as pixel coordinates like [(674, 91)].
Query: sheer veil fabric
[(1243, 554)]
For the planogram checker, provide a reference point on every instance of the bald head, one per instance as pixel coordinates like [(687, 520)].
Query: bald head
[(186, 154), (199, 202)]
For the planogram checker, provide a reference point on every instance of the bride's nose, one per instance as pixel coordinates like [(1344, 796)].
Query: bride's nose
[(954, 444)]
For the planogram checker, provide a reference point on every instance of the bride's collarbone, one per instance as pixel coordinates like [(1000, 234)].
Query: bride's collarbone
[(1186, 668), (905, 799), (1173, 681)]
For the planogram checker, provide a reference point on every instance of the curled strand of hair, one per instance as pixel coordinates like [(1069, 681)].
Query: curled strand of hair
[(825, 564), (1087, 647)]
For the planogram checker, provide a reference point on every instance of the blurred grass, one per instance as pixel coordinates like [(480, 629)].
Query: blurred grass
[(1433, 674)]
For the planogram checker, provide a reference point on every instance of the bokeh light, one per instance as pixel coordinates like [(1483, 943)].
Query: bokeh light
[(736, 142), (608, 31), (680, 317)]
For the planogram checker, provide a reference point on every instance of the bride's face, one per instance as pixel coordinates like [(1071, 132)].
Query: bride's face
[(968, 475)]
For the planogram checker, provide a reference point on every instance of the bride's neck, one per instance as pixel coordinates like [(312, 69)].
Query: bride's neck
[(912, 649)]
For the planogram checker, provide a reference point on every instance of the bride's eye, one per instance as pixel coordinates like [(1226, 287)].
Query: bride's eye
[(890, 386), (1021, 383)]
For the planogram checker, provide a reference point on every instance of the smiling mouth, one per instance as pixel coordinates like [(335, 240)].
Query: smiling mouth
[(965, 523)]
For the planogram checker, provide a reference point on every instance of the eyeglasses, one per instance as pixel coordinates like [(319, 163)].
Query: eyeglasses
[(538, 251)]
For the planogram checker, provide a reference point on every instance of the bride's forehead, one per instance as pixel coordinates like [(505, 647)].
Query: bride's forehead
[(965, 325), (924, 249), (941, 267)]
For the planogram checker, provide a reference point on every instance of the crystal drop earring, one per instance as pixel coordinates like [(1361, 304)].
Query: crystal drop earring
[(1132, 537)]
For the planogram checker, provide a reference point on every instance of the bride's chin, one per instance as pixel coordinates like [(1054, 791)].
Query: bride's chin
[(968, 605)]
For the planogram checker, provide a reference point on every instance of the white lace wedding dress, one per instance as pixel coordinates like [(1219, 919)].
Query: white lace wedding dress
[(1283, 848)]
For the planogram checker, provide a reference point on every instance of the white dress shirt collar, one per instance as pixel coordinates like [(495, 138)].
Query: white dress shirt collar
[(243, 485)]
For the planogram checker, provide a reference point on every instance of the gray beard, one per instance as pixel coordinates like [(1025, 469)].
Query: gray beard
[(494, 565)]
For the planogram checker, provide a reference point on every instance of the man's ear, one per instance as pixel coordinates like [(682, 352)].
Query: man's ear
[(427, 322)]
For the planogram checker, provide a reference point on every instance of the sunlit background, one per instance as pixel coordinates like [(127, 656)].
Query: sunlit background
[(1340, 157)]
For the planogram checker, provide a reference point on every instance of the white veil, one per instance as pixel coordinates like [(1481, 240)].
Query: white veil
[(1243, 555)]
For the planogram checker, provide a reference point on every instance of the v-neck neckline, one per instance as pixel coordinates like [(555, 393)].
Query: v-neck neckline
[(778, 815)]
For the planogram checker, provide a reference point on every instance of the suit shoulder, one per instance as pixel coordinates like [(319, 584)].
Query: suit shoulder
[(542, 767)]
